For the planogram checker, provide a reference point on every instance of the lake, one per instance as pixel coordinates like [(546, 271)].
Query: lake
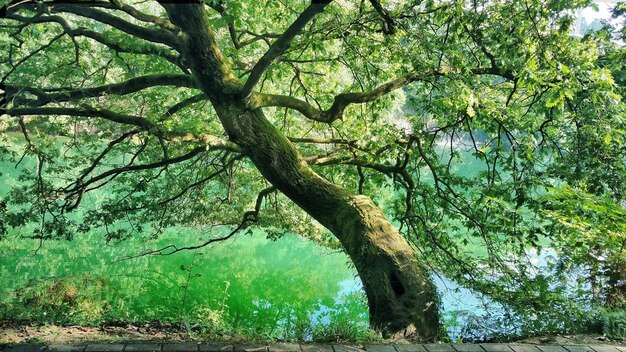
[(289, 288)]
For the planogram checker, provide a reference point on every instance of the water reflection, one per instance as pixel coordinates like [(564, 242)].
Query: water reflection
[(288, 288)]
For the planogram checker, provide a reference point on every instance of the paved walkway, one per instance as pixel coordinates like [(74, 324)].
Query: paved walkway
[(293, 347)]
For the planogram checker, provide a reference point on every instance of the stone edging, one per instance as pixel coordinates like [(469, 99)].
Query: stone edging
[(294, 347)]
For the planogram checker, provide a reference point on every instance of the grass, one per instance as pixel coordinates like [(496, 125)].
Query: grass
[(248, 286)]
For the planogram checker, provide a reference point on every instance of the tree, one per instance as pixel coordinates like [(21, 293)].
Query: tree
[(172, 103)]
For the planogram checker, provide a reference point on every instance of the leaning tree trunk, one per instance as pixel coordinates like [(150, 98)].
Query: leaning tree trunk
[(402, 299)]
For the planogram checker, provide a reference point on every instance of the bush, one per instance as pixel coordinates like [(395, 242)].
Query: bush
[(74, 299)]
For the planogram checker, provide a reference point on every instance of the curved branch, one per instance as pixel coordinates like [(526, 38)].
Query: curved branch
[(106, 151), (253, 215), (343, 100), (84, 112), (135, 48), (158, 21), (257, 37), (280, 46), (262, 100), (208, 141), (389, 26), (386, 169), (149, 34), (185, 103), (49, 95), (348, 160), (219, 8), (248, 218), (321, 140), (29, 56), (81, 187), (88, 10), (163, 202), (144, 49), (232, 31)]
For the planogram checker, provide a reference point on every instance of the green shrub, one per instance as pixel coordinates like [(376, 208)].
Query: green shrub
[(77, 299), (614, 324)]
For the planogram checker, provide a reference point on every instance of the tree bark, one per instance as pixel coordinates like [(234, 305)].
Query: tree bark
[(402, 299)]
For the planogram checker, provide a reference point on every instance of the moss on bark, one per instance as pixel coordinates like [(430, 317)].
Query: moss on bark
[(402, 299)]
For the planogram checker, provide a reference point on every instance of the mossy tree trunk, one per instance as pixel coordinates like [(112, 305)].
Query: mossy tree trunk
[(402, 299)]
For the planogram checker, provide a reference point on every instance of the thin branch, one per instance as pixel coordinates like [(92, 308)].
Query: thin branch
[(150, 34), (134, 48), (321, 141), (118, 46), (257, 37), (171, 249), (48, 95), (84, 112), (227, 165), (389, 26), (208, 141), (29, 56), (281, 45), (248, 218), (383, 168), (343, 100), (81, 187), (185, 103), (106, 151), (253, 215), (219, 7), (158, 21)]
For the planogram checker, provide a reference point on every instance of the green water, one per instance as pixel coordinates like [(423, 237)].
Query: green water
[(249, 286)]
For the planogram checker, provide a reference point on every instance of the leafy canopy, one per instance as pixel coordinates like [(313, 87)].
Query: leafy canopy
[(484, 129)]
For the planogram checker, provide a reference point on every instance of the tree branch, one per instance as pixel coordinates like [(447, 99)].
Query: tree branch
[(232, 31), (135, 48), (185, 103), (257, 37), (106, 151), (49, 95), (81, 187), (389, 26), (158, 21), (343, 100), (248, 218), (321, 141), (162, 202), (144, 49), (149, 34), (349, 160), (88, 10), (85, 111), (219, 7), (29, 56), (208, 141), (281, 45)]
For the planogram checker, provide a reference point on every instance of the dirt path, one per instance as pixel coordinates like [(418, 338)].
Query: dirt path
[(52, 334)]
